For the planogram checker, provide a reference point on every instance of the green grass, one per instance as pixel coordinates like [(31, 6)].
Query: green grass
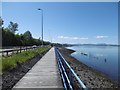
[(11, 62)]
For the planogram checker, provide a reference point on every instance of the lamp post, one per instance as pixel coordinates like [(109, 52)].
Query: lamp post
[(42, 25)]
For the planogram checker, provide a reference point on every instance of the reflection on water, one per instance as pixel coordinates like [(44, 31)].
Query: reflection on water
[(102, 58)]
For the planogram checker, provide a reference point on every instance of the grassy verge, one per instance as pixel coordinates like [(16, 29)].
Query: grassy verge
[(11, 62)]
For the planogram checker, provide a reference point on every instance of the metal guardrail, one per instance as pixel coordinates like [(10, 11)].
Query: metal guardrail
[(7, 52), (17, 50), (67, 73)]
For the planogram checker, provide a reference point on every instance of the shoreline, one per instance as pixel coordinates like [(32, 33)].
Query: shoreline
[(91, 77)]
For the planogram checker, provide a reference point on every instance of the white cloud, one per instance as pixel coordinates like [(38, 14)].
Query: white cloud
[(62, 37), (83, 38), (75, 38), (72, 38), (100, 37)]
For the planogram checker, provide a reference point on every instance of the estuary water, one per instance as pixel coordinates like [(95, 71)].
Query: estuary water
[(101, 58)]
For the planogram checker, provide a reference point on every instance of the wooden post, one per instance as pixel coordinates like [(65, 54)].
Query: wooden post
[(7, 53), (2, 53), (20, 49)]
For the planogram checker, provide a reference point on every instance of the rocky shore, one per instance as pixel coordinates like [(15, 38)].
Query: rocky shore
[(91, 78)]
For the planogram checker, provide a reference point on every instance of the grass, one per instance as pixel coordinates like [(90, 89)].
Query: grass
[(11, 62)]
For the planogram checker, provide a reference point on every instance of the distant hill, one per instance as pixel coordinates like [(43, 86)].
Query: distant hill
[(101, 44)]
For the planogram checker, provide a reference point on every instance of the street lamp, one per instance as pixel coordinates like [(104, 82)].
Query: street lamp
[(42, 25)]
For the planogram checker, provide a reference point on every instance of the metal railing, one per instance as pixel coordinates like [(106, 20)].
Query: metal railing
[(7, 52), (70, 79), (17, 49)]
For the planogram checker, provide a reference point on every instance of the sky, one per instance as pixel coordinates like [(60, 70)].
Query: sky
[(60, 0), (66, 22)]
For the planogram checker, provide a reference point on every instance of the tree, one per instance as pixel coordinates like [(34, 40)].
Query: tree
[(27, 38), (18, 40), (1, 22), (13, 27), (8, 38), (28, 35)]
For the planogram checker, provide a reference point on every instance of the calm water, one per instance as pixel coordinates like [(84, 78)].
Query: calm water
[(101, 58)]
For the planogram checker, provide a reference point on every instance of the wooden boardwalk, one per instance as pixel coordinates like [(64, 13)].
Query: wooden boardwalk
[(44, 75)]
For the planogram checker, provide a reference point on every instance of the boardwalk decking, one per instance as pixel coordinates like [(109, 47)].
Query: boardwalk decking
[(44, 74)]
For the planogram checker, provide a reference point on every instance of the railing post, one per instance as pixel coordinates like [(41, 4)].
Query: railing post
[(12, 51), (7, 53), (20, 49), (2, 53)]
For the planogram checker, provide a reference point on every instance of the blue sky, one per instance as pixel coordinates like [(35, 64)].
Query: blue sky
[(80, 22)]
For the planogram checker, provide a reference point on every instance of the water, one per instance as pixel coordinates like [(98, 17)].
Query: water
[(101, 58)]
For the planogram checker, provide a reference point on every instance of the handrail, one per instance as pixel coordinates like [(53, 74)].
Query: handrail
[(63, 74), (66, 76), (74, 74), (62, 77)]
